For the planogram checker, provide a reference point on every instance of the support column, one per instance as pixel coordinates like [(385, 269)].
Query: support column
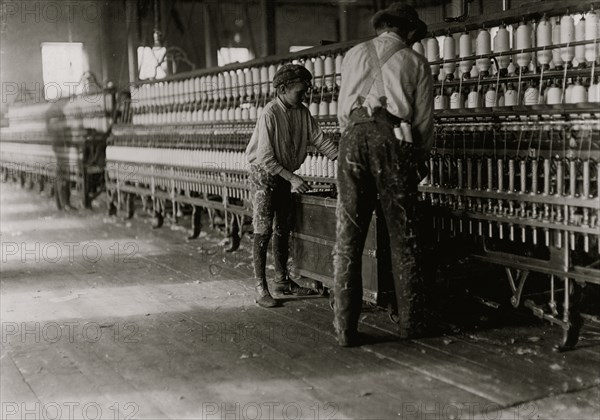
[(209, 49), (347, 21), (268, 32), (130, 20), (163, 10)]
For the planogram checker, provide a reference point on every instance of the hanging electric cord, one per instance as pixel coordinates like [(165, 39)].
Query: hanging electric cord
[(156, 32), (191, 39), (171, 53), (249, 28)]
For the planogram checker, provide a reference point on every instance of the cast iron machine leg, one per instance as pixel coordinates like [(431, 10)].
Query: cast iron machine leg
[(158, 219), (234, 234), (130, 205), (572, 320), (196, 222)]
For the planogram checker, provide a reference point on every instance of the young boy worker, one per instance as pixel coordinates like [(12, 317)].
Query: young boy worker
[(277, 148)]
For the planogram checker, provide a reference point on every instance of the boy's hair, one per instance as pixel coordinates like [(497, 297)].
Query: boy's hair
[(289, 74)]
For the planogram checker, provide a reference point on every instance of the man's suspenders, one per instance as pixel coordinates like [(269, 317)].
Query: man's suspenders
[(376, 63)]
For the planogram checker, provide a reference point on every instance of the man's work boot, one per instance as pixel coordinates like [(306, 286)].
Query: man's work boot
[(298, 290), (263, 297), (288, 287), (282, 287)]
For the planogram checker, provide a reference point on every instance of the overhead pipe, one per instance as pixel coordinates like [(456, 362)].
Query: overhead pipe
[(464, 15)]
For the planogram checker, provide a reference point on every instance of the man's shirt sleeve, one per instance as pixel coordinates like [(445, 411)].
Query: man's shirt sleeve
[(423, 112), (344, 106), (324, 144)]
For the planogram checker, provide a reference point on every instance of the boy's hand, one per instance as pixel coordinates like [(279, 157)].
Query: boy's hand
[(299, 185)]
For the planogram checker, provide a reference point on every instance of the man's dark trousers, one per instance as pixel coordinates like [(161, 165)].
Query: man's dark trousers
[(374, 164)]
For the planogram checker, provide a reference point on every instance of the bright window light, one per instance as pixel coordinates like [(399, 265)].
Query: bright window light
[(63, 64), (231, 55), (148, 63), (296, 48)]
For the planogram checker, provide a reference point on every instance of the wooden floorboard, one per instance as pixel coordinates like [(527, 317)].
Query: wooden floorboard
[(57, 382), (181, 337), (15, 391)]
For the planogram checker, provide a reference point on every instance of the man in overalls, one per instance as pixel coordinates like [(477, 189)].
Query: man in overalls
[(386, 117), (276, 149)]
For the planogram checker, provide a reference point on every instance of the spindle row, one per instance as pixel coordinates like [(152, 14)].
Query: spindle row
[(215, 136), (520, 192), (315, 164), (542, 177), (164, 115), (89, 111), (243, 83), (239, 94), (550, 92), (523, 47)]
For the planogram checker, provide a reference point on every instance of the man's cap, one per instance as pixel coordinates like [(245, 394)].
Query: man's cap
[(402, 15), (291, 73)]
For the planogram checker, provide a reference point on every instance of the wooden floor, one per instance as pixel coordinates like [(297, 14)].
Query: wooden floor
[(106, 318)]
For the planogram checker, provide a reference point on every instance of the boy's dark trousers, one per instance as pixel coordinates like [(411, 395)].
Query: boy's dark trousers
[(272, 215)]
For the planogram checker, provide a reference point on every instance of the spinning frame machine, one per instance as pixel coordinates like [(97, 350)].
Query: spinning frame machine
[(514, 170), (514, 163), (513, 174), (186, 141), (59, 143)]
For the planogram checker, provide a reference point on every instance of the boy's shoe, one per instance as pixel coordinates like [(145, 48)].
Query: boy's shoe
[(263, 297), (265, 300)]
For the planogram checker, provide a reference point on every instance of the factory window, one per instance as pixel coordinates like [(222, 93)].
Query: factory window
[(151, 64), (63, 64), (231, 55)]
